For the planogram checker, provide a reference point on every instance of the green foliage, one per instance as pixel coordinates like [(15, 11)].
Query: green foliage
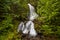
[(49, 14), (12, 12)]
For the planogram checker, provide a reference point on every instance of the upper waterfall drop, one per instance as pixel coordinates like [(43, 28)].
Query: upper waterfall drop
[(32, 14), (32, 10)]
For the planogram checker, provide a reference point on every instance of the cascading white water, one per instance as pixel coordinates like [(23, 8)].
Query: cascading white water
[(21, 26), (32, 14), (32, 30), (29, 26)]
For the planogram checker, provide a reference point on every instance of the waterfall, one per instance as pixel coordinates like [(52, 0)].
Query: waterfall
[(32, 14), (28, 28), (21, 26)]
